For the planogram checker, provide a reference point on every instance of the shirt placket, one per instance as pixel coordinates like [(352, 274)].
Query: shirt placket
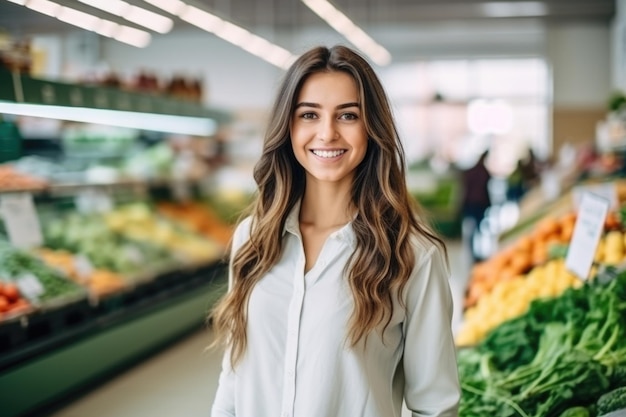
[(291, 351)]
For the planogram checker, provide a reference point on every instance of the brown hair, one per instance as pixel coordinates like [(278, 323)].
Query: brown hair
[(386, 220)]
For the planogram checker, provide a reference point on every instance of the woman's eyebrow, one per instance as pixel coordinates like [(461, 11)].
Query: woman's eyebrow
[(318, 106)]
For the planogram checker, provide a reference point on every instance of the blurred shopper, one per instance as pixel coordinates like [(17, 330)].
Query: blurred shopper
[(339, 300), (525, 176), (475, 202)]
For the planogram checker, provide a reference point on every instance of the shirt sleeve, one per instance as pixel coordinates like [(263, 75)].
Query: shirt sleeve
[(432, 385), (224, 403)]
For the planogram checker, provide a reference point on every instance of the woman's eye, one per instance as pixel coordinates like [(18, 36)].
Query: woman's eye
[(307, 115), (349, 116)]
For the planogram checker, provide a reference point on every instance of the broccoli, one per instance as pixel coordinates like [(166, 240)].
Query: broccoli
[(618, 376), (612, 401), (575, 412)]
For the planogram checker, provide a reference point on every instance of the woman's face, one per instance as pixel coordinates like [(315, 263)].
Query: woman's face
[(328, 135)]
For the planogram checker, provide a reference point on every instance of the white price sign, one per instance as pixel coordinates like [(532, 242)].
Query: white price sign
[(606, 190), (30, 286), (93, 200), (592, 213), (84, 267), (21, 220)]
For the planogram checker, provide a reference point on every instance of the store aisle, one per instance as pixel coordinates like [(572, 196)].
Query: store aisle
[(181, 381)]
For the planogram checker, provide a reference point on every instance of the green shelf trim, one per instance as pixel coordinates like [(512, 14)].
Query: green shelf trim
[(21, 88)]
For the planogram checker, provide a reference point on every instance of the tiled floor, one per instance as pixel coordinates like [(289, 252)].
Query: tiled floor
[(181, 381)]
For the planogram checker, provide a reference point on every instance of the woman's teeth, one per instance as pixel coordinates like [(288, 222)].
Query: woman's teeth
[(328, 154)]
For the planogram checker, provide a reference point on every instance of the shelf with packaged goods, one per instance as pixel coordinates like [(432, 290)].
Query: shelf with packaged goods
[(22, 94)]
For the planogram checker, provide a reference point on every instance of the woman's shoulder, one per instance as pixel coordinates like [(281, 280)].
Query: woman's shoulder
[(242, 232), (426, 249)]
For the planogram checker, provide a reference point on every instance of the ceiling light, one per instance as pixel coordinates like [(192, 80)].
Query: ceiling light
[(132, 36), (514, 9), (20, 2), (342, 24), (44, 6), (142, 17), (78, 18), (230, 32), (149, 19), (200, 126), (200, 18), (171, 6), (107, 28), (233, 33), (116, 7), (104, 27)]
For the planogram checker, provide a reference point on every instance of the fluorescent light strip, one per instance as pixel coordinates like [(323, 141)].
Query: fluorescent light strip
[(44, 7), (146, 121), (342, 24), (514, 9), (142, 17), (104, 27), (228, 31), (171, 6), (132, 36), (78, 18)]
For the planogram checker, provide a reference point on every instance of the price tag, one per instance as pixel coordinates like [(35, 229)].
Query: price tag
[(21, 220), (29, 286), (84, 267), (592, 213), (134, 255), (606, 190), (93, 200)]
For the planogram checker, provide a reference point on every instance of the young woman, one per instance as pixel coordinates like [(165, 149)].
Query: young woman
[(339, 302)]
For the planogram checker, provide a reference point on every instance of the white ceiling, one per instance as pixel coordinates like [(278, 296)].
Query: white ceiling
[(293, 14)]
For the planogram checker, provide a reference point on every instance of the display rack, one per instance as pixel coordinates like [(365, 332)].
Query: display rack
[(56, 354), (50, 354), (18, 87)]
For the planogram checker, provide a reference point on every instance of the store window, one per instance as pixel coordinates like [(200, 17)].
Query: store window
[(449, 111)]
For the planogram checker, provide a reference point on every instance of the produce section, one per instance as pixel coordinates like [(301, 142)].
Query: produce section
[(144, 263), (538, 340), (126, 248), (564, 353)]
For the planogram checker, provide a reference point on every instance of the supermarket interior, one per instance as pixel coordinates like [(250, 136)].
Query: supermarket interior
[(129, 131)]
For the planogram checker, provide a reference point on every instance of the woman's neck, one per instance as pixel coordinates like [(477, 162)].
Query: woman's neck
[(325, 206)]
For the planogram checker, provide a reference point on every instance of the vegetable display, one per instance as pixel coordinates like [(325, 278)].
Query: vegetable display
[(563, 353), (90, 236), (503, 287), (37, 281)]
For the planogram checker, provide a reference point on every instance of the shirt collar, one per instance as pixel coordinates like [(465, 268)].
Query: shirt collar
[(292, 225)]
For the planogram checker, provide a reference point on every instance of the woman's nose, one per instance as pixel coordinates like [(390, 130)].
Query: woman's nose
[(328, 130)]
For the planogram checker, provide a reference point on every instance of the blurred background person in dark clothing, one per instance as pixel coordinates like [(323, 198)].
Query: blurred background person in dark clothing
[(475, 201)]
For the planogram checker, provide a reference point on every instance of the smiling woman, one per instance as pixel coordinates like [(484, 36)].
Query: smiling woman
[(339, 301), (327, 133)]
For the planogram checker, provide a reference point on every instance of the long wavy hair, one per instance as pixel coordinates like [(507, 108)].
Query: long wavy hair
[(387, 217)]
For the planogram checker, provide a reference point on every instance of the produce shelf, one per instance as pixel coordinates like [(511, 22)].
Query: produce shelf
[(50, 355)]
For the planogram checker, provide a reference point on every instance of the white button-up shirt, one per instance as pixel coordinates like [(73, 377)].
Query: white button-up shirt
[(299, 362)]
